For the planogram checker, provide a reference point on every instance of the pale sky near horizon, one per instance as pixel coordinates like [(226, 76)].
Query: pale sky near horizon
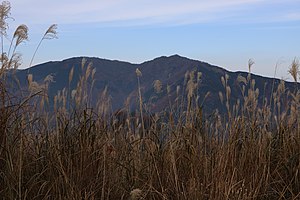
[(225, 33)]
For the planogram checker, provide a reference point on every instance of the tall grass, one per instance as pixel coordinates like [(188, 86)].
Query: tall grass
[(81, 152)]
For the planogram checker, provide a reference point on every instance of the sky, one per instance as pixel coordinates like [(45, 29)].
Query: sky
[(226, 33)]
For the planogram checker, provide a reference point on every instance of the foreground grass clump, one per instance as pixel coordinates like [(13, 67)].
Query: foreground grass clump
[(87, 153)]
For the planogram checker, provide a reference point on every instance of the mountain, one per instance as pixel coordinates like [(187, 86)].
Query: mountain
[(121, 81)]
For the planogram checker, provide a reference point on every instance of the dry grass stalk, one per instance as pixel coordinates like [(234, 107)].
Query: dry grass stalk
[(51, 33)]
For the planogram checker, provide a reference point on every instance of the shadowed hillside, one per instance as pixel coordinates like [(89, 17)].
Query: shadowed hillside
[(173, 72)]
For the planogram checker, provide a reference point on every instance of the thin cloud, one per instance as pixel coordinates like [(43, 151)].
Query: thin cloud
[(155, 11), (144, 12), (293, 16)]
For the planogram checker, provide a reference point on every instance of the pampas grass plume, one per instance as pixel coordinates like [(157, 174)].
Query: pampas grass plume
[(136, 194)]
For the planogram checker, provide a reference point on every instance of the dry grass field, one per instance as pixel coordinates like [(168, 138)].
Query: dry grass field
[(83, 152)]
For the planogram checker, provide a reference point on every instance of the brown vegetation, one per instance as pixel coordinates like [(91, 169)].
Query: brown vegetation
[(75, 152)]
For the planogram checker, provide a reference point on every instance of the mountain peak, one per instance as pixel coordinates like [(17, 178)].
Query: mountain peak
[(168, 59), (178, 56), (175, 56)]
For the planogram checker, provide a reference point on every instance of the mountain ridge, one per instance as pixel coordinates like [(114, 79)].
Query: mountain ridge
[(119, 78), (150, 60)]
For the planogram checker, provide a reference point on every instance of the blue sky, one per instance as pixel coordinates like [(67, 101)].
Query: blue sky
[(222, 32)]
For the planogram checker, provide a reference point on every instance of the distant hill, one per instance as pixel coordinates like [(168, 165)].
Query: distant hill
[(121, 80)]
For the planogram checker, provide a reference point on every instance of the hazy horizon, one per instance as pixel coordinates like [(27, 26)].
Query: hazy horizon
[(223, 33)]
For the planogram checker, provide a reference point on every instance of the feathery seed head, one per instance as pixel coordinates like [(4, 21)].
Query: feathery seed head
[(192, 75), (4, 57), (51, 32), (256, 92), (177, 90), (253, 83), (71, 75), (21, 34), (241, 79), (34, 87), (243, 89), (73, 93), (49, 79), (186, 77), (250, 64), (294, 69), (15, 61), (4, 15), (221, 97), (157, 84), (228, 92), (88, 71), (29, 78), (138, 72), (226, 77), (93, 73), (281, 87), (199, 76), (136, 194), (83, 61), (223, 81), (168, 89), (191, 86)]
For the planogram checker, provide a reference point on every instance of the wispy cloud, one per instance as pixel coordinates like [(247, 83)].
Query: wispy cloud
[(293, 16), (120, 12)]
